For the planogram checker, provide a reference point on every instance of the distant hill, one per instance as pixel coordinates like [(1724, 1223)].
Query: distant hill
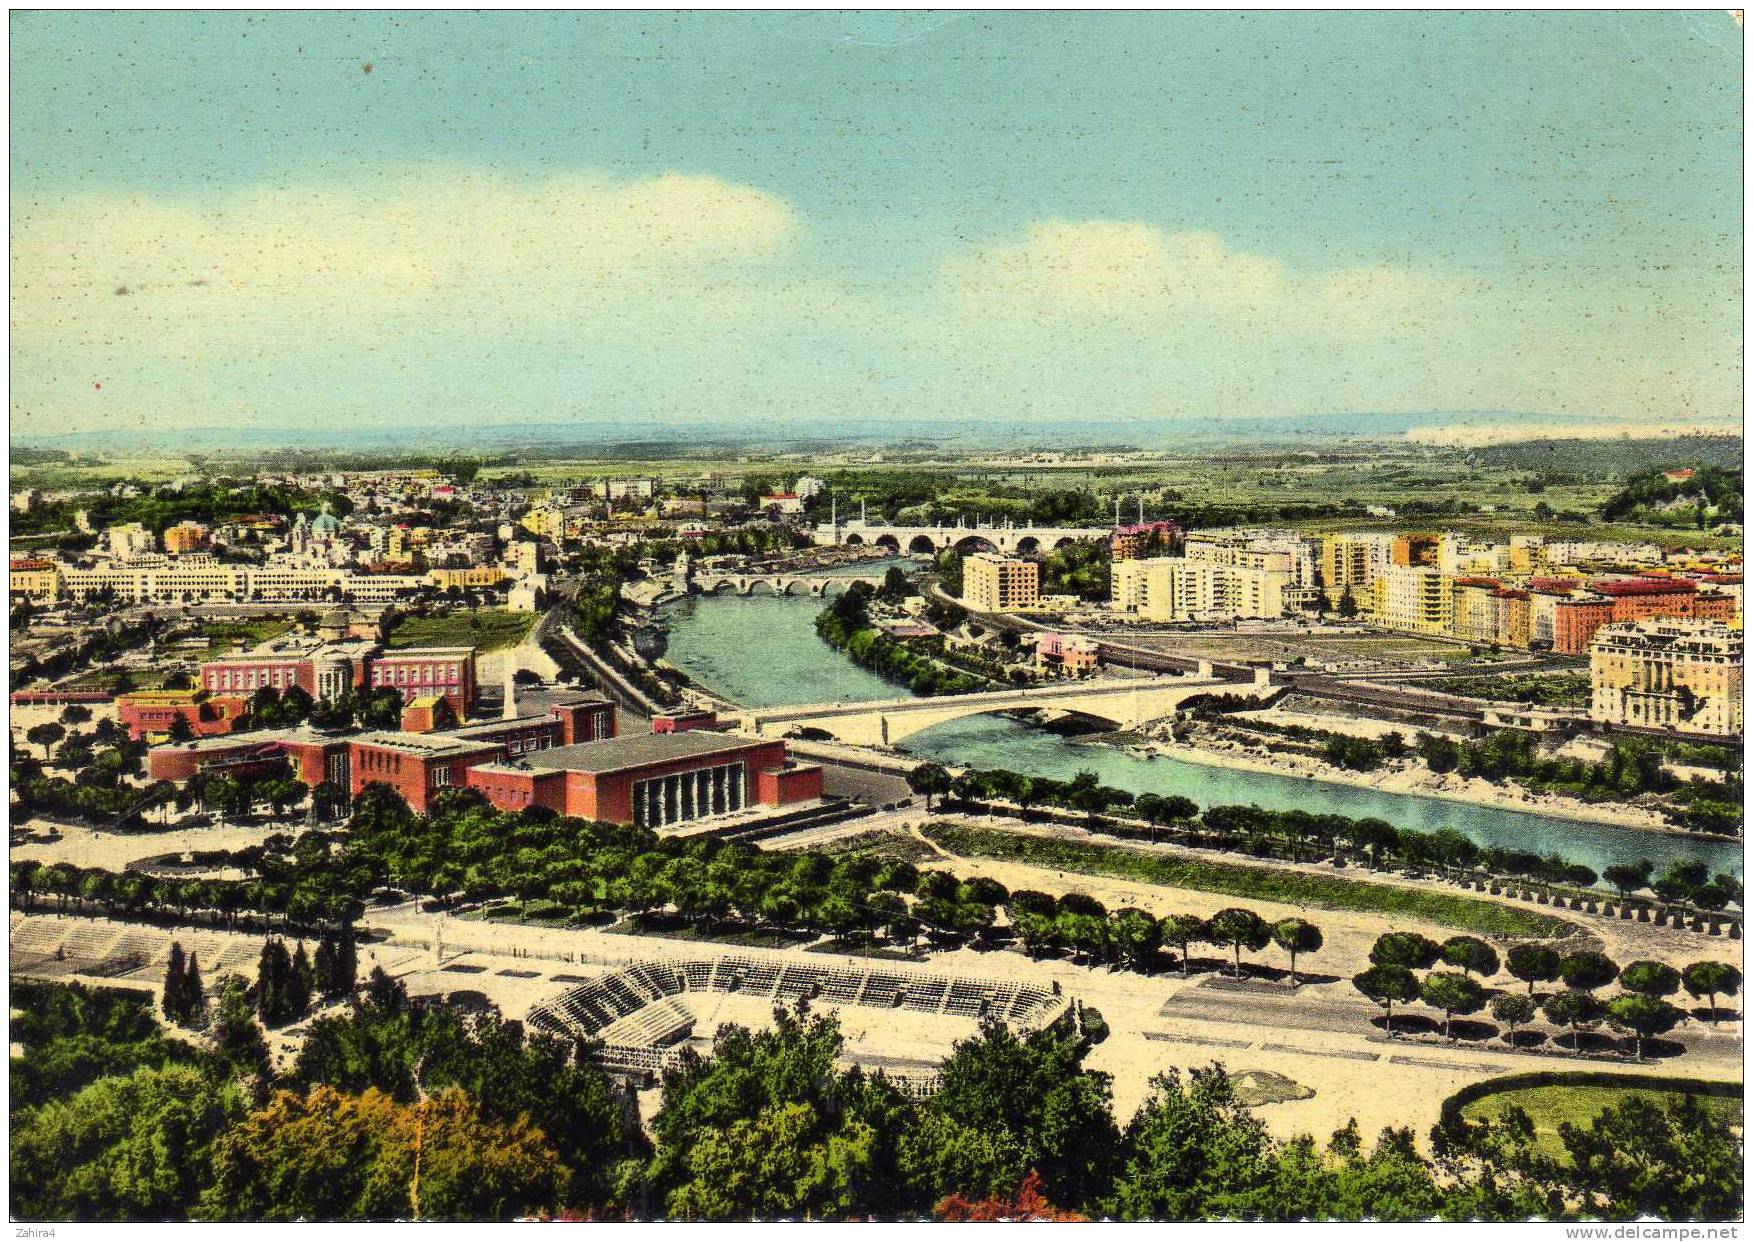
[(1614, 459)]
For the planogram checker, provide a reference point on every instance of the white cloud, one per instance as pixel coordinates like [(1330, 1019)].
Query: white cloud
[(433, 289), (434, 241)]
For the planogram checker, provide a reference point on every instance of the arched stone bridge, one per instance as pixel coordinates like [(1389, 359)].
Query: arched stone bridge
[(1126, 702), (930, 540), (779, 584)]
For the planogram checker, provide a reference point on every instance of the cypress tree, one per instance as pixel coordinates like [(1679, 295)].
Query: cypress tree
[(172, 1004), (273, 980), (325, 965), (299, 984), (346, 962), (194, 994)]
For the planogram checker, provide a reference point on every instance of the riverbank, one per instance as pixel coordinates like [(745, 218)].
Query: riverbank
[(1419, 782), (763, 651)]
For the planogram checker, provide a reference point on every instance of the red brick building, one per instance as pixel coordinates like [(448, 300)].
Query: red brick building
[(150, 713), (419, 766), (652, 781), (328, 670), (1575, 620), (681, 722), (314, 758), (419, 671), (340, 758), (567, 759)]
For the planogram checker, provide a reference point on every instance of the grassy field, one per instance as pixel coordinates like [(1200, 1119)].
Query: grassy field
[(106, 679), (1547, 1107), (224, 636), (1468, 914), (485, 629)]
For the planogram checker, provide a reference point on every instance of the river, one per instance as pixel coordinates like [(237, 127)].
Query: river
[(761, 650)]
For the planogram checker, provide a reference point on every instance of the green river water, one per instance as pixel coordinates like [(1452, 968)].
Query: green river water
[(761, 650)]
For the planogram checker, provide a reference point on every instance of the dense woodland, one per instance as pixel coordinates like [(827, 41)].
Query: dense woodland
[(401, 1110)]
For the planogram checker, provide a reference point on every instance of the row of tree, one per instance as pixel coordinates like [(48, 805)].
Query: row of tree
[(1641, 1008), (1303, 835)]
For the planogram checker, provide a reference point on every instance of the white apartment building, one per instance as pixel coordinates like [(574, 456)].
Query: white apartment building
[(1664, 673), (994, 583), (1178, 588), (1600, 552), (1353, 560), (1418, 598), (129, 540)]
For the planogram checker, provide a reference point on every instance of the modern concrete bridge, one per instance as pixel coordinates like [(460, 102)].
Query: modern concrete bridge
[(1126, 702), (930, 540)]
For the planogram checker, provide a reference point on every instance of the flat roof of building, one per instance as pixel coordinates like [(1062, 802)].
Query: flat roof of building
[(263, 737), (640, 750), (426, 745)]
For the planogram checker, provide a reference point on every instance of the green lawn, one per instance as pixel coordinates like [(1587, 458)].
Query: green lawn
[(1547, 1107), (1468, 914), (485, 629), (235, 635), (107, 679)]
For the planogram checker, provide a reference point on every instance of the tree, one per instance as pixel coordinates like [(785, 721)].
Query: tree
[(1405, 949), (1387, 985), (1294, 936), (929, 779), (1239, 929), (767, 1126), (1572, 1009), (1452, 993), (1025, 1103), (1627, 878), (1588, 970), (1643, 1015), (300, 983), (1374, 835), (132, 1147), (180, 729), (1471, 954), (1027, 1205), (237, 1038), (45, 735), (1190, 1152), (75, 714), (1138, 935), (333, 1156), (193, 1004), (1650, 978), (1183, 931), (1513, 1011), (1709, 979), (1646, 1160), (171, 1004), (337, 964), (1534, 963)]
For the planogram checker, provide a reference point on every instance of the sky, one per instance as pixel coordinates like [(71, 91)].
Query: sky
[(365, 219)]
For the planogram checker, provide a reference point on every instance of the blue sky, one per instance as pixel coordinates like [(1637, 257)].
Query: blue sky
[(223, 218)]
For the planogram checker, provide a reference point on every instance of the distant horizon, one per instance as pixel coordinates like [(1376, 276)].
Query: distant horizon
[(1428, 429)]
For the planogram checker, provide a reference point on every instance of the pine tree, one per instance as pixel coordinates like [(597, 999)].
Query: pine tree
[(174, 988), (194, 1000)]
